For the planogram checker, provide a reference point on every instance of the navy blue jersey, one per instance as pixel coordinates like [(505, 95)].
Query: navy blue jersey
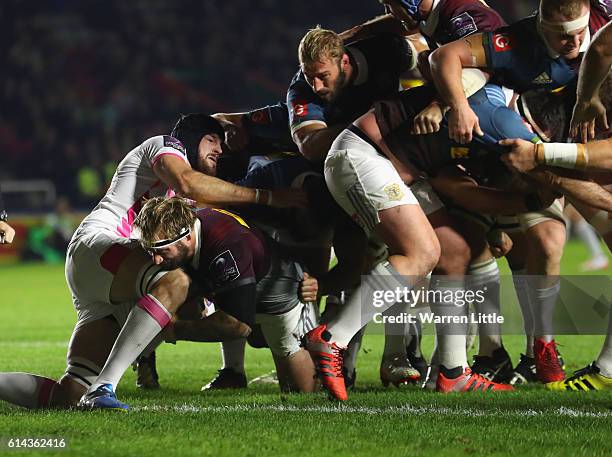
[(268, 130), (451, 20), (520, 58), (378, 63)]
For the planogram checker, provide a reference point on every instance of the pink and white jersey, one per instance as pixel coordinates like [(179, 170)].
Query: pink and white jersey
[(133, 182)]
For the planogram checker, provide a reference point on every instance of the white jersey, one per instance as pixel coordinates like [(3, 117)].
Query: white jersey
[(133, 182)]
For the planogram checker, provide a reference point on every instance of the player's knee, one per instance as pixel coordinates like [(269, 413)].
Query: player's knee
[(423, 258), (548, 242), (171, 288), (454, 257)]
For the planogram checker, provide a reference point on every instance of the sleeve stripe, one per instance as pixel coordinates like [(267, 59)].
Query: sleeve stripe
[(169, 152), (295, 128)]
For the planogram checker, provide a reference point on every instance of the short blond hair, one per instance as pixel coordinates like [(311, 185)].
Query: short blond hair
[(569, 9), (166, 217), (319, 44)]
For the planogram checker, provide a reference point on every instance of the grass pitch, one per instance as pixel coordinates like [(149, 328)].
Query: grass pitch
[(37, 319)]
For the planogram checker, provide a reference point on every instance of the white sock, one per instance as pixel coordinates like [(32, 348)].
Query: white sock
[(144, 322), (521, 286), (451, 338), (27, 390), (484, 277), (604, 361), (357, 312), (544, 300), (233, 354), (589, 237)]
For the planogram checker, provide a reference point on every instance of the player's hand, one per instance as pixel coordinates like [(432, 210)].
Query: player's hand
[(428, 120), (522, 157), (462, 122), (499, 242), (7, 233), (288, 198), (309, 288), (586, 115)]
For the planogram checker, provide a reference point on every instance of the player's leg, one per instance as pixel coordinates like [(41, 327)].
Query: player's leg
[(283, 333), (394, 366), (368, 188), (103, 268), (88, 349), (151, 314), (546, 239), (598, 375)]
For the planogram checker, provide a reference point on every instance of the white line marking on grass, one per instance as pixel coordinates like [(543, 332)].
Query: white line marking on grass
[(399, 410), (34, 344)]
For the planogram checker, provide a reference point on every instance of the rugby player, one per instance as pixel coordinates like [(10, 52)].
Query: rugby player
[(240, 269), (122, 298), (589, 113), (541, 51)]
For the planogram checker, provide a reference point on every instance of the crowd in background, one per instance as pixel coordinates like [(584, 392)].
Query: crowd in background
[(84, 82)]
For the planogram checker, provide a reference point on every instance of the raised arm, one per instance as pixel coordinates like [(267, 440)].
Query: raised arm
[(594, 69)]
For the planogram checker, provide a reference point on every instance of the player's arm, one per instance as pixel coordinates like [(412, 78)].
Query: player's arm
[(446, 64), (594, 69), (236, 135), (525, 156), (314, 140), (381, 24), (575, 185), (178, 175), (456, 186), (239, 302)]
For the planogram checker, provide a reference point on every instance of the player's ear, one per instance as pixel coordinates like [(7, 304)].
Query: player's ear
[(345, 61)]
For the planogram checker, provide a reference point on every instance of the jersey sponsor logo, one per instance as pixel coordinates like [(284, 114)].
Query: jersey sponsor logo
[(394, 192), (171, 142), (502, 42), (300, 109), (463, 25), (224, 268), (459, 153), (542, 78)]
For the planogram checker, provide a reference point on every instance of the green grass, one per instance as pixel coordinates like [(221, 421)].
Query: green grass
[(37, 319)]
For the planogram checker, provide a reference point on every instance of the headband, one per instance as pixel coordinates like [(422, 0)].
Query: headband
[(168, 241), (565, 26)]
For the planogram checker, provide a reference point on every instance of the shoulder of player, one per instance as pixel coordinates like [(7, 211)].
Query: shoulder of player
[(472, 16), (602, 7), (521, 37), (156, 144)]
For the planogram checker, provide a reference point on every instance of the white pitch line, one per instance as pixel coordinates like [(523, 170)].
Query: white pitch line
[(34, 344), (396, 410)]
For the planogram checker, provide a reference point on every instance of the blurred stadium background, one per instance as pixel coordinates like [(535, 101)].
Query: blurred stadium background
[(83, 82)]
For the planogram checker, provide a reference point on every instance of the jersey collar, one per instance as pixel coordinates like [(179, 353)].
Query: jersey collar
[(197, 233), (429, 25)]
